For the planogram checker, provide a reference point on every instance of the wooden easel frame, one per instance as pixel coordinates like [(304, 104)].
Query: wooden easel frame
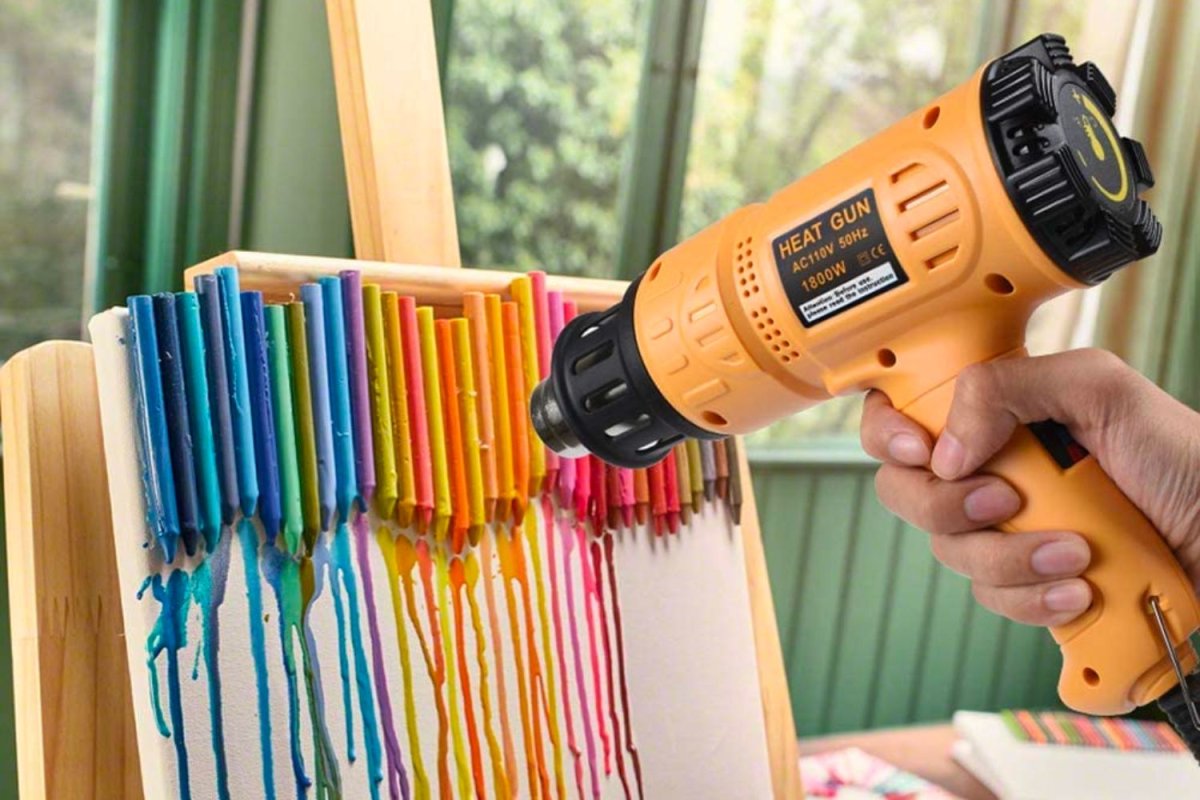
[(75, 731)]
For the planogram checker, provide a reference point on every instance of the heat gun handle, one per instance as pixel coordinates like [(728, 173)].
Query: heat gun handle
[(1114, 657)]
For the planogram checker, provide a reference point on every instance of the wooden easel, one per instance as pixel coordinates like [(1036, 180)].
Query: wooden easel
[(75, 731)]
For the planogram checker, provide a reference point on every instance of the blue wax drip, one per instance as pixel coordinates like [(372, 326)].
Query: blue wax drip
[(344, 566), (275, 563), (208, 589), (312, 671), (248, 537), (323, 559), (170, 635)]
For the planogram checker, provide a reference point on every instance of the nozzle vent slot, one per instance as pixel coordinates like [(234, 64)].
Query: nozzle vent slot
[(609, 394), (592, 357)]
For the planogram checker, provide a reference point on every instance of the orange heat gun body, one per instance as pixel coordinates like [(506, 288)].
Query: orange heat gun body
[(912, 256)]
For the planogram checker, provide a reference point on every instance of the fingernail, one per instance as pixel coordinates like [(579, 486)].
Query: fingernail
[(908, 449), (991, 503), (1071, 596), (1067, 557), (948, 456)]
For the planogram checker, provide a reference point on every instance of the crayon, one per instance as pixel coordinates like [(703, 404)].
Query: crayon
[(418, 415), (360, 403), (262, 415), (468, 413), (506, 487), (213, 330), (239, 387), (522, 292), (641, 493), (443, 509), (735, 479), (344, 452), (474, 309), (721, 460), (671, 483), (306, 441), (380, 412), (318, 376), (455, 446), (517, 413), (208, 481), (708, 468), (683, 476), (158, 482), (695, 474), (402, 426), (541, 323), (561, 312), (285, 428), (175, 406)]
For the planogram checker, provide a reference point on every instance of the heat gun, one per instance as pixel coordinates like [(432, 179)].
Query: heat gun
[(912, 256)]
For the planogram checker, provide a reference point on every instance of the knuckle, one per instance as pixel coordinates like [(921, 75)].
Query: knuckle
[(977, 383)]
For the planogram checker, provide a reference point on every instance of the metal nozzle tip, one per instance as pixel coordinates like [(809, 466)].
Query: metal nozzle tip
[(550, 424)]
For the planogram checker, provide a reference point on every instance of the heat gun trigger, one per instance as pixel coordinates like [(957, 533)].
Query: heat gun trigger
[(1171, 654)]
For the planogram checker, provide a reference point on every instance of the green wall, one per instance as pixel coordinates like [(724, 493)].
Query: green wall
[(874, 631)]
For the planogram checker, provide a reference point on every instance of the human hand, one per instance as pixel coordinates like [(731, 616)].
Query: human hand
[(1147, 442)]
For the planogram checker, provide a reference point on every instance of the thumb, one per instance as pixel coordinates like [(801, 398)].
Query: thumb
[(1080, 389)]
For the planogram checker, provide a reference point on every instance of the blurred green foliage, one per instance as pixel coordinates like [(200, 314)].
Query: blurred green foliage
[(540, 99), (47, 53)]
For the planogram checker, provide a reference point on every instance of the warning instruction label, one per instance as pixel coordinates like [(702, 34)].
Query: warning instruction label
[(837, 260)]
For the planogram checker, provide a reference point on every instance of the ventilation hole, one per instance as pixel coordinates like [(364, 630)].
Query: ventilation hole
[(1091, 677), (886, 358), (598, 400), (937, 224), (592, 358), (754, 315), (998, 283), (714, 419), (931, 117), (794, 354), (745, 294), (657, 268), (786, 359), (904, 172), (941, 258), (924, 195), (625, 427)]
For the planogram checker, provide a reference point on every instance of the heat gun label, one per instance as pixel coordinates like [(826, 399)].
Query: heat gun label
[(837, 260)]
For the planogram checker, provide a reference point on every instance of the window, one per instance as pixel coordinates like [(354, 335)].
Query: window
[(540, 96), (47, 52)]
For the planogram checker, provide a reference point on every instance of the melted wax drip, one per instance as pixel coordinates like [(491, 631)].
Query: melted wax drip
[(283, 575), (396, 774), (630, 747), (170, 635), (590, 605), (556, 610), (499, 771), (461, 758), (208, 588), (457, 581), (549, 693), (399, 557), (489, 595), (328, 777), (343, 567), (248, 537), (513, 571), (568, 540), (434, 660)]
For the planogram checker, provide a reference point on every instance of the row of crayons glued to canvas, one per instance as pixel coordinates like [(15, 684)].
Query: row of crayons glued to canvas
[(1115, 733), (352, 397)]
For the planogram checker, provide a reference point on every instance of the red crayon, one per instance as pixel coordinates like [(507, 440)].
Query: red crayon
[(418, 422), (582, 497), (657, 479), (671, 482), (599, 510), (641, 494), (612, 480)]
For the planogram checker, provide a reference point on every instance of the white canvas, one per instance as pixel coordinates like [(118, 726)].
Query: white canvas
[(693, 691)]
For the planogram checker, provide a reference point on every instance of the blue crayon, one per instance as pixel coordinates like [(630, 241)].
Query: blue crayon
[(239, 388), (170, 365), (158, 481), (262, 414), (191, 341), (339, 397), (213, 329), (318, 377)]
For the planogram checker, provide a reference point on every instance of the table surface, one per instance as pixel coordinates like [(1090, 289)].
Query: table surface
[(922, 750)]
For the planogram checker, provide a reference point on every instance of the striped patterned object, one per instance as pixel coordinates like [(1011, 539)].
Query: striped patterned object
[(1116, 733)]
